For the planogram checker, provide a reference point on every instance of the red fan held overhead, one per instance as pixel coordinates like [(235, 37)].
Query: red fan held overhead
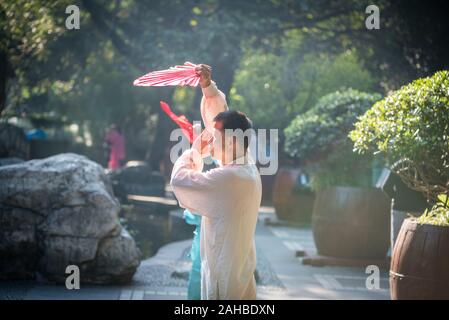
[(184, 75), (181, 121)]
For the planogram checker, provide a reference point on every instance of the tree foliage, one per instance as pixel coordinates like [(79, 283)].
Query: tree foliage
[(275, 88), (319, 138), (411, 128), (313, 47)]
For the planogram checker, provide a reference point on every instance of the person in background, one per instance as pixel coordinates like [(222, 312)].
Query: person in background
[(116, 142)]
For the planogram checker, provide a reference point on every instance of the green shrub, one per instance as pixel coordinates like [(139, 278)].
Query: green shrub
[(410, 128), (320, 137)]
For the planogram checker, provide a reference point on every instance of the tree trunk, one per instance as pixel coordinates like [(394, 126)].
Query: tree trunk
[(5, 74), (161, 142)]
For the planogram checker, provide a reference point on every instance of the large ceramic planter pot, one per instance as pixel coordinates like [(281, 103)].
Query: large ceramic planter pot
[(352, 223), (289, 203), (420, 262)]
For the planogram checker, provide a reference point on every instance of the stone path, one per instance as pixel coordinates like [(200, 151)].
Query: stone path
[(308, 282)]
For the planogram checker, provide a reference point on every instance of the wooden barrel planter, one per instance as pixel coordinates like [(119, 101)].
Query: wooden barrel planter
[(352, 223), (289, 203), (420, 262)]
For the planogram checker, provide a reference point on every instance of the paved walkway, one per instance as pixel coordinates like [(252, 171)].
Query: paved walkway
[(309, 282), (280, 274)]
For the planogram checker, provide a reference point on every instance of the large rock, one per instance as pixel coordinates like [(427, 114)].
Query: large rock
[(61, 211)]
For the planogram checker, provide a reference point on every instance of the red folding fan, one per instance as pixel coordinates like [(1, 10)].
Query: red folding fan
[(184, 75), (181, 121)]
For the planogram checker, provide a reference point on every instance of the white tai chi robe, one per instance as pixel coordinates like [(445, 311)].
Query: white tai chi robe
[(228, 198)]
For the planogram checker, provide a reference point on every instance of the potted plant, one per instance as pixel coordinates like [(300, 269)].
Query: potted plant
[(350, 218), (410, 128), (293, 197)]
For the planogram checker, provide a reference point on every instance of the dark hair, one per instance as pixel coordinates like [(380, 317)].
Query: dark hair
[(235, 120)]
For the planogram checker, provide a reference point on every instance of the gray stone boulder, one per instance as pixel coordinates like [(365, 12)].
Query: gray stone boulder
[(61, 211)]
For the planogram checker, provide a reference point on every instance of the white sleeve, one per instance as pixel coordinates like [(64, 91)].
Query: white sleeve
[(212, 103), (199, 192)]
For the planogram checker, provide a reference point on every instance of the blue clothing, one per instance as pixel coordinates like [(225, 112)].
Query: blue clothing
[(36, 134), (194, 289)]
